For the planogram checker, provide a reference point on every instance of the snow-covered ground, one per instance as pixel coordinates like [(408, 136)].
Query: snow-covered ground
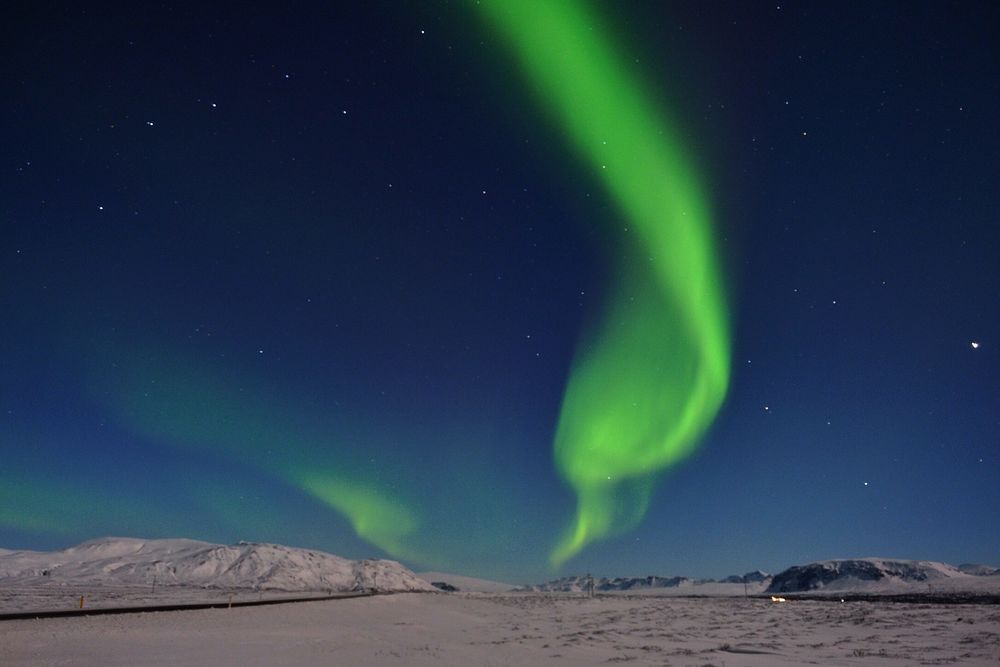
[(519, 629), (645, 620)]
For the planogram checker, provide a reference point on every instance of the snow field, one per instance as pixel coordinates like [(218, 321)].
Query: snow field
[(520, 629)]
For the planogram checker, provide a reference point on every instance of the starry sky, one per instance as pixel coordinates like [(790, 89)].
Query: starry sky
[(365, 278)]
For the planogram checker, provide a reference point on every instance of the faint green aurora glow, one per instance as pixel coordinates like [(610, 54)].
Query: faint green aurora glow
[(373, 516), (165, 398), (652, 376)]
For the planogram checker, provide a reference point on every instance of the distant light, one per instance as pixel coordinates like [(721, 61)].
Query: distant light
[(866, 483), (975, 345), (775, 598)]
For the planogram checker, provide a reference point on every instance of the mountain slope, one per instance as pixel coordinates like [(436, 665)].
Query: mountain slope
[(979, 570), (871, 574), (181, 562)]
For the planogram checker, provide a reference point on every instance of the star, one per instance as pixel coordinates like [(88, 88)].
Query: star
[(975, 345)]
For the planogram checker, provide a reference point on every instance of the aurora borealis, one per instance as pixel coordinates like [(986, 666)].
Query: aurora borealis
[(650, 382), (504, 288)]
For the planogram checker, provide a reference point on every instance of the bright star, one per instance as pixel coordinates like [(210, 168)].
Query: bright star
[(975, 345)]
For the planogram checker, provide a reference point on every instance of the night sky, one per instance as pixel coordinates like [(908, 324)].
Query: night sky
[(359, 277)]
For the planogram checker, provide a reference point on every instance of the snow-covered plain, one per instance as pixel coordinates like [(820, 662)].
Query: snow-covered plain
[(646, 620), (493, 630)]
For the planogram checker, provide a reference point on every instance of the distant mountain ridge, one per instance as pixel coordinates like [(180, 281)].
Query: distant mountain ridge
[(182, 562), (581, 583), (754, 577), (979, 570), (873, 575)]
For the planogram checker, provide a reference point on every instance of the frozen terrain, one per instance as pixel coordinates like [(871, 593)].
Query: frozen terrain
[(643, 620), (522, 629)]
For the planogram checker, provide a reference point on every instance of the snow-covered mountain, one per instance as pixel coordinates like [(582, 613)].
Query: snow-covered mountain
[(979, 570), (181, 562), (874, 575), (754, 577), (859, 575), (581, 583)]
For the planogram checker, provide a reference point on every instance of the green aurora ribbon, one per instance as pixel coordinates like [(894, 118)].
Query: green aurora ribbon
[(649, 381)]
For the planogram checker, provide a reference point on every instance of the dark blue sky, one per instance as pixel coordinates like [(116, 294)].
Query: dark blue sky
[(242, 243)]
